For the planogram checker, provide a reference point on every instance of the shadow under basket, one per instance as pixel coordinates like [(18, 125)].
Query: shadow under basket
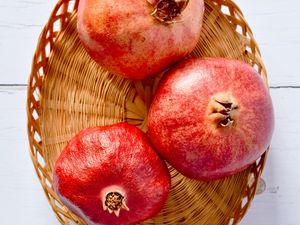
[(68, 91)]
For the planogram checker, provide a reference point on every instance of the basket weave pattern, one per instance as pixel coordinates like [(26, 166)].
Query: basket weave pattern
[(61, 101)]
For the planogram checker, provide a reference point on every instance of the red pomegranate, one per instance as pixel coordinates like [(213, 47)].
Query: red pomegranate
[(110, 175), (138, 38), (211, 118)]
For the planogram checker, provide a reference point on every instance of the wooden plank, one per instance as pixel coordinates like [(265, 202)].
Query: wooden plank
[(276, 28), (22, 197), (23, 200), (280, 203), (21, 22), (274, 23)]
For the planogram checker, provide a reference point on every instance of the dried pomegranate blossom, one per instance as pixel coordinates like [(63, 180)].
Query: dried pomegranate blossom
[(169, 11), (114, 201), (223, 109)]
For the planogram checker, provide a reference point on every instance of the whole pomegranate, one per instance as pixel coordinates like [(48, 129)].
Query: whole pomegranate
[(211, 118), (138, 38), (110, 175)]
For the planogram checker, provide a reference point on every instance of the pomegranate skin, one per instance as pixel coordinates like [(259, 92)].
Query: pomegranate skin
[(100, 161), (124, 38), (211, 118)]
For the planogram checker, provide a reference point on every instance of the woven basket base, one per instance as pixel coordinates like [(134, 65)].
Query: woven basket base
[(76, 93)]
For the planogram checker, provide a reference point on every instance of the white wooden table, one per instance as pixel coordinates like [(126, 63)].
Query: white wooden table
[(276, 27)]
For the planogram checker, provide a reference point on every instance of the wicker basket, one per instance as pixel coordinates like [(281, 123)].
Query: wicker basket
[(67, 92)]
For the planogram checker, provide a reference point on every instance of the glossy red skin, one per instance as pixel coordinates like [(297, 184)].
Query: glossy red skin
[(181, 131), (124, 38), (111, 155)]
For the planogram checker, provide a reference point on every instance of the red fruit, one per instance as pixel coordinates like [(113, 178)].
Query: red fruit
[(211, 118), (110, 175), (138, 38)]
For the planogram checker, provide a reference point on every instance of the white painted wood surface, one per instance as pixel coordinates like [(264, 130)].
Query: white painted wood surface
[(276, 26), (21, 22)]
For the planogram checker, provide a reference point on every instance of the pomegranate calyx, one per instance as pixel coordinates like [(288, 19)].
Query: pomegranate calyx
[(114, 202), (222, 110), (169, 11)]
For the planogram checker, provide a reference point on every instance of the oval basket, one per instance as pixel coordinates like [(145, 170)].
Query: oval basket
[(67, 91)]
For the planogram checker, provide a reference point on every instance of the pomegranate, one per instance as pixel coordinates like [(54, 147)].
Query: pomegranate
[(138, 38), (211, 118), (110, 175)]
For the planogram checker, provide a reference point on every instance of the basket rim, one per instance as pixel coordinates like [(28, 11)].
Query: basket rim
[(31, 106)]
